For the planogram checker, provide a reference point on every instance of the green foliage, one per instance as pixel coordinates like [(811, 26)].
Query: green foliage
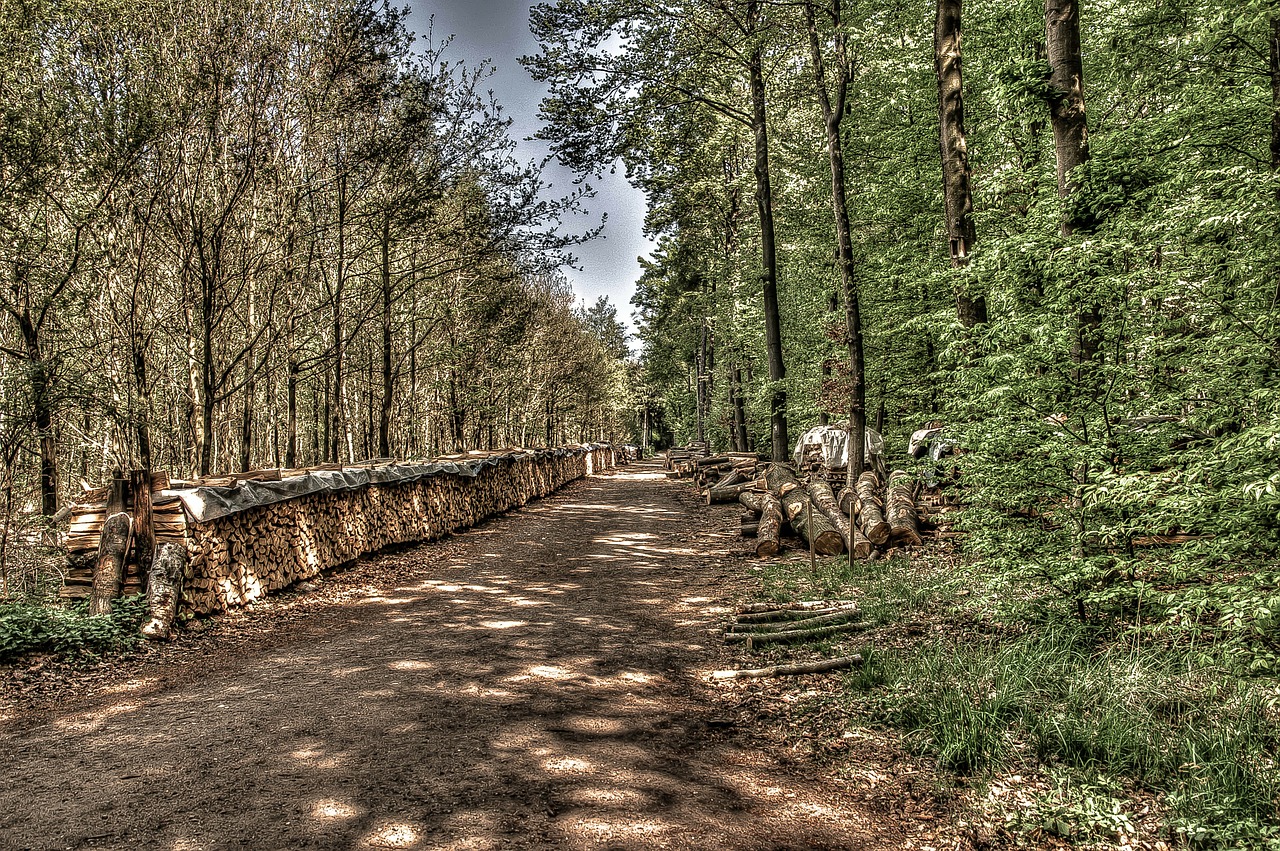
[(70, 630)]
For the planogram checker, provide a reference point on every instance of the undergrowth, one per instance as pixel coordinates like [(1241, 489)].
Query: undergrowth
[(991, 685), (35, 627)]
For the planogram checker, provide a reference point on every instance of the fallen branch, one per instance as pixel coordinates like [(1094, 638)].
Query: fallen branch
[(793, 614), (754, 638), (795, 605), (822, 666), (807, 623)]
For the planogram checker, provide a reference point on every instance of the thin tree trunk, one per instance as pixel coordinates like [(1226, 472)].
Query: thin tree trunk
[(768, 247), (956, 173), (388, 385), (833, 114)]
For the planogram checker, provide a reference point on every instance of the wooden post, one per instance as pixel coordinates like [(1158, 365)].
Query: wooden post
[(813, 555), (144, 534)]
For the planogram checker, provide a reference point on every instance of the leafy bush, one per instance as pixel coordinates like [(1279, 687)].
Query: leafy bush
[(31, 627)]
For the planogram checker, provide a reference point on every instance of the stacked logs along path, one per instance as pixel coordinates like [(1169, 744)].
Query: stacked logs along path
[(865, 522), (203, 566)]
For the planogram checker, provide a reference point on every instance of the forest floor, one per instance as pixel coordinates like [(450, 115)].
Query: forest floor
[(539, 681)]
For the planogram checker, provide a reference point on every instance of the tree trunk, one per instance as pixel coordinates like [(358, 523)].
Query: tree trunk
[(768, 247), (164, 591), (113, 546), (956, 184), (825, 501), (769, 531), (1070, 140), (904, 523), (388, 384), (871, 511), (833, 115)]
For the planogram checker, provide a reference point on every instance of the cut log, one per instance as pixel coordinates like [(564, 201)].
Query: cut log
[(164, 590), (854, 541), (729, 494), (733, 477), (904, 522), (753, 638), (751, 500), (769, 530), (108, 570), (848, 502), (840, 664), (749, 530), (871, 510), (823, 536)]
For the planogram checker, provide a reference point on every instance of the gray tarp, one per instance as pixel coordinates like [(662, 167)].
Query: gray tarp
[(210, 503)]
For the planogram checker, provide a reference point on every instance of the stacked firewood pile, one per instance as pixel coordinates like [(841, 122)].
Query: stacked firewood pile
[(244, 556), (156, 543), (681, 461), (870, 519)]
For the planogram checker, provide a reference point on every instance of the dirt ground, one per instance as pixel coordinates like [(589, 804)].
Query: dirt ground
[(536, 682)]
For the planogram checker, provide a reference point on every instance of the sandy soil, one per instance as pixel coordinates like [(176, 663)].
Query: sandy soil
[(536, 682)]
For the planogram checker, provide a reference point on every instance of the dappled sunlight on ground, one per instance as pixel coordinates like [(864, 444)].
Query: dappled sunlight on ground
[(534, 690)]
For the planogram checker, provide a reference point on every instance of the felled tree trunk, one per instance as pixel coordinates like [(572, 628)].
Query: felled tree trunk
[(108, 571), (904, 522), (164, 589), (824, 500), (809, 522), (769, 531), (871, 510)]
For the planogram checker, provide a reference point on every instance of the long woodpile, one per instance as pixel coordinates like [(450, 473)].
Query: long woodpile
[(236, 558), (865, 522)]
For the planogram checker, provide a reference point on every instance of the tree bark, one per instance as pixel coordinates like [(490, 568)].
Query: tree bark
[(870, 510), (904, 523), (957, 188), (768, 245), (833, 112), (164, 591), (1070, 141), (388, 376)]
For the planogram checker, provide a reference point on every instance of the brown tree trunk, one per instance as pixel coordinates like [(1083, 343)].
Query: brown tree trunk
[(956, 184), (388, 383), (1070, 139), (780, 447), (833, 114)]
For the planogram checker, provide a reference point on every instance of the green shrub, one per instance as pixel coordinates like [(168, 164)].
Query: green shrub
[(31, 627)]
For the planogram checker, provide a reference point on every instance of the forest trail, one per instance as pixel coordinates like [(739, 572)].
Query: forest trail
[(536, 682)]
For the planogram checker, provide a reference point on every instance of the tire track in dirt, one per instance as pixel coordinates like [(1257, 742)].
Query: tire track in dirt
[(536, 683)]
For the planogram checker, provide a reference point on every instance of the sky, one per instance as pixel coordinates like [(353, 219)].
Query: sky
[(498, 30)]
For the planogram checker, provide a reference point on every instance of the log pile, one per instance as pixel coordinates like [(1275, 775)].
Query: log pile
[(207, 566), (864, 522)]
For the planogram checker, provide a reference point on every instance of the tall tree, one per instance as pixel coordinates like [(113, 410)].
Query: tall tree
[(957, 191), (832, 96)]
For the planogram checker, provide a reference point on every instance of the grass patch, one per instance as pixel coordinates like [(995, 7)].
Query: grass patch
[(32, 627), (988, 685)]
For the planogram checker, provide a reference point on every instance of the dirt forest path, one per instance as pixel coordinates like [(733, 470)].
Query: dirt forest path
[(536, 682)]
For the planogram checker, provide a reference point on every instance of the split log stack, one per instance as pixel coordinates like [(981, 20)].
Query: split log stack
[(238, 557)]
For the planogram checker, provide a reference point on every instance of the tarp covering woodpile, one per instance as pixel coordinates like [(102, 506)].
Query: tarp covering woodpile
[(246, 539)]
